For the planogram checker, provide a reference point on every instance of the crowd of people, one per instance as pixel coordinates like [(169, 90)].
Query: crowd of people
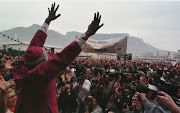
[(65, 83), (107, 85)]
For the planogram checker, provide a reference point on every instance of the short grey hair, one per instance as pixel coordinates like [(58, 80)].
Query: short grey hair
[(11, 90)]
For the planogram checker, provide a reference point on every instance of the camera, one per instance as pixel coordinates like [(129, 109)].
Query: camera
[(95, 81), (125, 105), (151, 91), (66, 89), (87, 100), (121, 90), (134, 84), (97, 70)]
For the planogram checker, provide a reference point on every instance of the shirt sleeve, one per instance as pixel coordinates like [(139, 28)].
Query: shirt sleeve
[(151, 107), (44, 27), (80, 41)]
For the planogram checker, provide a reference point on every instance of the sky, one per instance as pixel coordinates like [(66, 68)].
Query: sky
[(157, 22)]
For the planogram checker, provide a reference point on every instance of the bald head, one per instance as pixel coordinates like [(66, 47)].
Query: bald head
[(143, 81)]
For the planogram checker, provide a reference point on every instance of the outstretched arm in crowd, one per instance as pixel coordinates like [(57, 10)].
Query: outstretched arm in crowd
[(150, 107), (167, 102), (3, 94), (111, 88)]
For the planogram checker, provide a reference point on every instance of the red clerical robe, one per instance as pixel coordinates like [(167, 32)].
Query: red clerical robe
[(37, 86)]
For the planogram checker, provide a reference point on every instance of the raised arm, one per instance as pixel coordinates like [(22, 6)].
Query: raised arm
[(52, 14), (38, 40), (40, 36), (93, 27)]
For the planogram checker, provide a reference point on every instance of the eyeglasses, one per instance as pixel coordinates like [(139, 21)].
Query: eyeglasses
[(13, 86), (134, 99), (11, 97)]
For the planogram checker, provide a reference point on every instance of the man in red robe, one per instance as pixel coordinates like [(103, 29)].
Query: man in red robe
[(36, 74)]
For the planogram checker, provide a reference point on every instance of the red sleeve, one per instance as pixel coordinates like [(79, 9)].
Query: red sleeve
[(38, 39)]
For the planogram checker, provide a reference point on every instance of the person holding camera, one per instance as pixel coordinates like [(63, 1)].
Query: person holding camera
[(119, 99), (136, 105), (92, 105), (150, 107), (67, 100)]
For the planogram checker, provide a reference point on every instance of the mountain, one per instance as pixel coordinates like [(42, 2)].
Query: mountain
[(136, 45)]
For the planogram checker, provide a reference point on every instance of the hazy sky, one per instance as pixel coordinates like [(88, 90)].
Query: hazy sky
[(156, 22)]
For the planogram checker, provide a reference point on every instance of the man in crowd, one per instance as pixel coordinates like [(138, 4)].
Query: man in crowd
[(143, 81), (67, 100), (92, 105), (36, 74)]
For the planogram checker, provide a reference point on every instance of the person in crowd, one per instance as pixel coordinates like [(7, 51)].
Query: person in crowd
[(130, 77), (150, 107), (67, 77), (83, 93), (67, 100), (136, 105), (36, 74), (11, 100), (119, 99), (143, 81), (88, 74), (92, 105), (13, 85), (149, 75)]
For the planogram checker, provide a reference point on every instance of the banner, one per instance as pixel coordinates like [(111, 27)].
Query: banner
[(106, 46), (15, 40)]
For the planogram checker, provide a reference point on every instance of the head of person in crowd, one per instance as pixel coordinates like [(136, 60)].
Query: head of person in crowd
[(133, 85), (13, 85), (11, 98), (177, 77), (88, 73), (68, 74), (149, 75), (165, 70), (143, 81), (98, 77), (4, 57), (130, 76), (127, 90), (92, 105), (66, 88), (136, 104), (103, 71), (155, 79)]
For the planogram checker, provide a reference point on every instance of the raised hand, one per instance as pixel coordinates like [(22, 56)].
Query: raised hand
[(167, 102), (52, 14), (8, 65), (3, 84), (94, 26)]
